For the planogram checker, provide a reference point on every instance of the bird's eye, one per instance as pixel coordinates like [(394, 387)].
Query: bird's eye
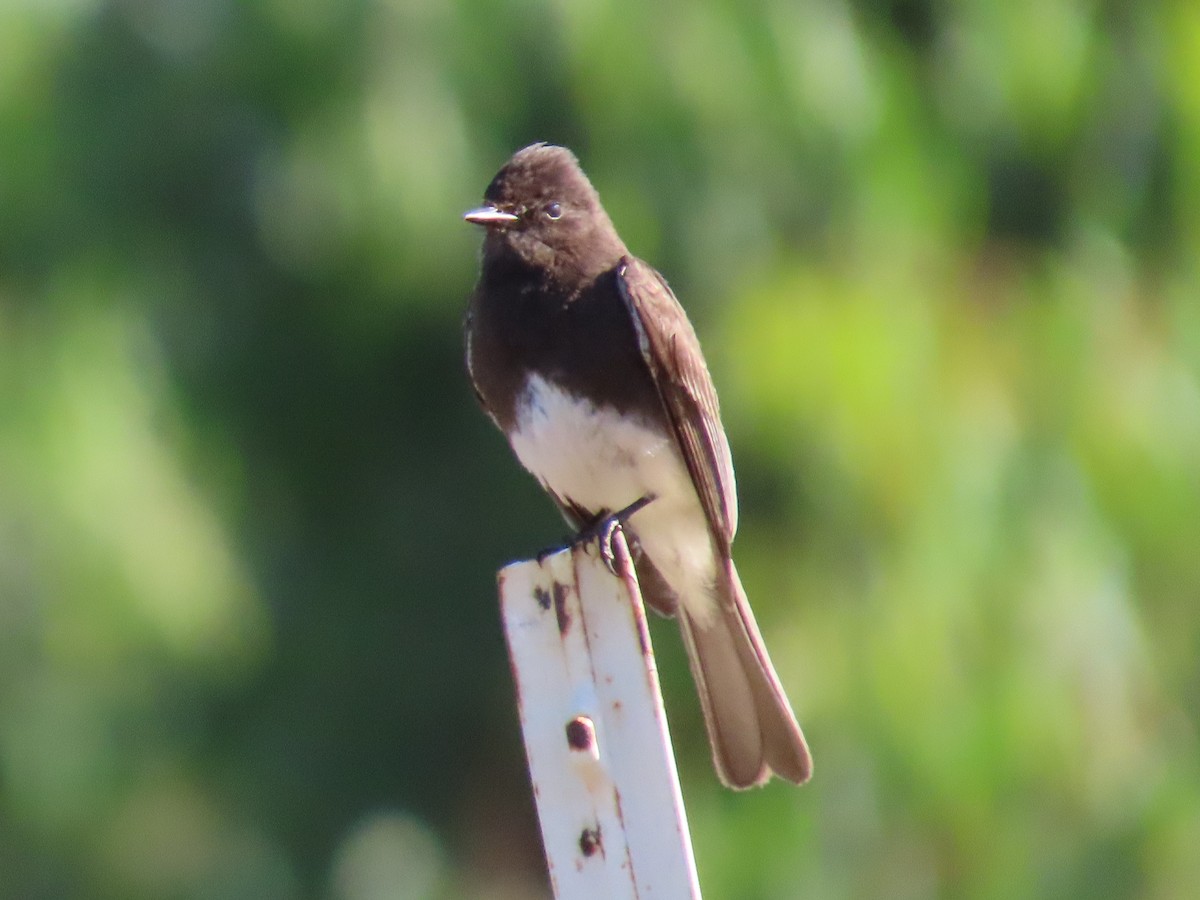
[(553, 211)]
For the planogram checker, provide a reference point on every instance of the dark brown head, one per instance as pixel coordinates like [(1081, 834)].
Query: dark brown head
[(541, 211)]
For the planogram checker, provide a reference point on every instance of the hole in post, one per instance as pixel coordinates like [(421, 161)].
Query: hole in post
[(581, 733)]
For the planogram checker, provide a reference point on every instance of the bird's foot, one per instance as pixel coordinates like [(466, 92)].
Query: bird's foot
[(604, 529)]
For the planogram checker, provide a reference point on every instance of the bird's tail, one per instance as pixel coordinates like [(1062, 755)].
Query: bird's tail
[(750, 723)]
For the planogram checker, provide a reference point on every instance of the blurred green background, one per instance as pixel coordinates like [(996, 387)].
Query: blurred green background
[(943, 257)]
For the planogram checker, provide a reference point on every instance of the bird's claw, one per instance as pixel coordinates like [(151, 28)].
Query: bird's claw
[(604, 531), (604, 540), (546, 552)]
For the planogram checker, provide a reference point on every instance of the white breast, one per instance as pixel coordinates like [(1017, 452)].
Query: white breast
[(601, 460)]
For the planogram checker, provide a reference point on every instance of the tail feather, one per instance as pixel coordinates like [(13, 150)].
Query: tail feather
[(750, 723)]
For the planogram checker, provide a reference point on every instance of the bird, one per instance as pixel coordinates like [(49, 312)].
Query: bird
[(586, 361)]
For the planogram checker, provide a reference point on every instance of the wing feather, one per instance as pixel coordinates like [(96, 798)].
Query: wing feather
[(672, 351)]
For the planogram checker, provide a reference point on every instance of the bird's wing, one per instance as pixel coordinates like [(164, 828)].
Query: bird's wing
[(669, 345)]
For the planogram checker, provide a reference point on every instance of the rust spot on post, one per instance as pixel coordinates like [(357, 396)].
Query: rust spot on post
[(560, 607), (589, 841)]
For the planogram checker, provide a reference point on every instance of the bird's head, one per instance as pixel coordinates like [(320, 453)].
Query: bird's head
[(541, 210)]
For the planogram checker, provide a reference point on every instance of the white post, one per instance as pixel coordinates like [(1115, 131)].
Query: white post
[(600, 757)]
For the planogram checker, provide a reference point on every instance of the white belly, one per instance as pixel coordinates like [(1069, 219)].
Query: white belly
[(601, 460)]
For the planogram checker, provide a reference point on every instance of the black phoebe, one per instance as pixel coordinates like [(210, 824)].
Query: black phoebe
[(583, 357)]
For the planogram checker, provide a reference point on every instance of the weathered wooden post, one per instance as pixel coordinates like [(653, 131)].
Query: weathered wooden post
[(600, 758)]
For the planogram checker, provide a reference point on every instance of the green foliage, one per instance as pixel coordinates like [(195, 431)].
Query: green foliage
[(943, 259)]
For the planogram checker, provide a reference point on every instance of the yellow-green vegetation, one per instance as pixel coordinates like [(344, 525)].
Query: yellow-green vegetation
[(943, 258)]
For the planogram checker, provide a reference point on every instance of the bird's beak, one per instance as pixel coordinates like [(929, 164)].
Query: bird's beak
[(489, 215)]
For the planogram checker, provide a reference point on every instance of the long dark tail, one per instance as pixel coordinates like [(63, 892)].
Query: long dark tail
[(751, 726)]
